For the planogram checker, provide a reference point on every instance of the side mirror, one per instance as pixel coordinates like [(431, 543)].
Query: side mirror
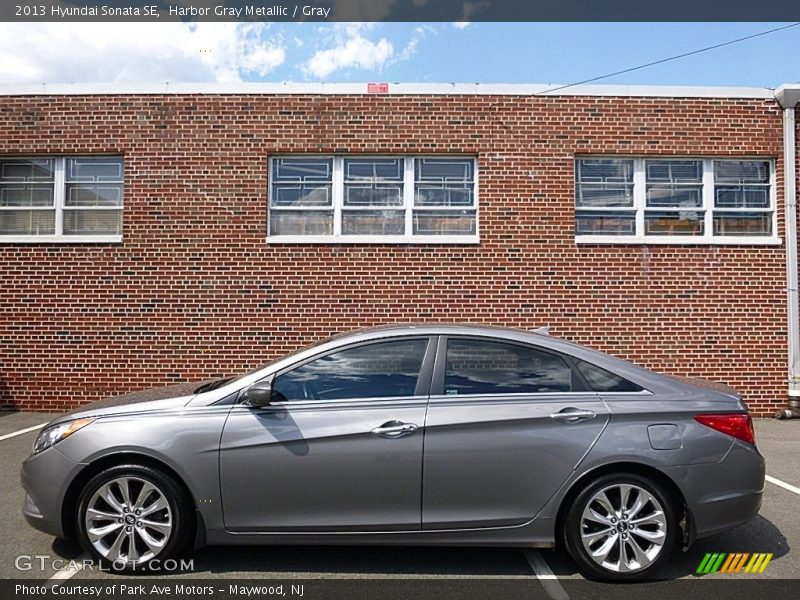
[(258, 394)]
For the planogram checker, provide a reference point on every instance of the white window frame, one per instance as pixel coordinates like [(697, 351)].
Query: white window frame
[(640, 201), (337, 193), (59, 194)]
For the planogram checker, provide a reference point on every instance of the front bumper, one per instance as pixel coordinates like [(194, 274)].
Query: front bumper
[(45, 478)]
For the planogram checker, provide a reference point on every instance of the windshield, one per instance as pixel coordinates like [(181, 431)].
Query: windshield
[(218, 383)]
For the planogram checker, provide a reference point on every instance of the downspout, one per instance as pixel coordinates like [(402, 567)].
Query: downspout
[(788, 97)]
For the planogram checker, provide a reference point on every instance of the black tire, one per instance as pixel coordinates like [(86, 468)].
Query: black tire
[(573, 529), (180, 513)]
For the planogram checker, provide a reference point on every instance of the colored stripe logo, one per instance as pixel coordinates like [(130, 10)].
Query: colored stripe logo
[(735, 562)]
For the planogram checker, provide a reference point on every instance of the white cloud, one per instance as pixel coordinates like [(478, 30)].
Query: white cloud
[(461, 24), (116, 52), (417, 35), (351, 50)]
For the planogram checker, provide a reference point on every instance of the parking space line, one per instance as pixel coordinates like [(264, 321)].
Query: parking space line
[(71, 569), (21, 431), (783, 484), (545, 575)]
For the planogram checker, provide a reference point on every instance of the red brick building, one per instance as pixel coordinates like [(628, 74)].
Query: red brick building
[(172, 233)]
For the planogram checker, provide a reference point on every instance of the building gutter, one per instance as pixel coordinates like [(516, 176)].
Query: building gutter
[(788, 96)]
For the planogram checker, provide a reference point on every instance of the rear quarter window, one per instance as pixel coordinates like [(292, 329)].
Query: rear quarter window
[(600, 380)]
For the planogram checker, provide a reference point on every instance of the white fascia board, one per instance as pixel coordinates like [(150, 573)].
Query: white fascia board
[(788, 95), (432, 89)]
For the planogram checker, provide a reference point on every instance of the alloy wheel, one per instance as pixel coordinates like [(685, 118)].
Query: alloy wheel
[(128, 520), (623, 528)]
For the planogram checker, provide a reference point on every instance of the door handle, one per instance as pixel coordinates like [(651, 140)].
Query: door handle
[(395, 429), (573, 415)]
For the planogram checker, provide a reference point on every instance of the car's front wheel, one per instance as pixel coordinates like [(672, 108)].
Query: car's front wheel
[(129, 515), (621, 526)]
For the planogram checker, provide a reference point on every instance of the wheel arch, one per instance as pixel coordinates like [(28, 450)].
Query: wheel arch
[(70, 502), (676, 495)]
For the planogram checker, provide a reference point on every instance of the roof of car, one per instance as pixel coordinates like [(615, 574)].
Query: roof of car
[(435, 328)]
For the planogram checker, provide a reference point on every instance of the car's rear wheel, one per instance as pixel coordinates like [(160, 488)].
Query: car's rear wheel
[(129, 515), (621, 526)]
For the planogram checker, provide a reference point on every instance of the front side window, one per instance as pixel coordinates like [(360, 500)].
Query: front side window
[(485, 367), (61, 198), (372, 199), (380, 370), (664, 200)]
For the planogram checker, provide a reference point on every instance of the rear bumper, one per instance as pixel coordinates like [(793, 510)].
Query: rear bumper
[(722, 495)]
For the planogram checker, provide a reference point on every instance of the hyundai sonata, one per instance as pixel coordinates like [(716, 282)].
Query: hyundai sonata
[(449, 435)]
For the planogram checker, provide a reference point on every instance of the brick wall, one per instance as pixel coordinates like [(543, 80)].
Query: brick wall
[(194, 290)]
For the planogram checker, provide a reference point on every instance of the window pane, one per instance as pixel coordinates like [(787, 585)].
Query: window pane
[(373, 181), (674, 171), (300, 182), (300, 222), (26, 194), (605, 223), (743, 223), (741, 171), (460, 222), (604, 170), (27, 169), (373, 169), (27, 222), (375, 194), (373, 222), (82, 194), (604, 195), (682, 222), (601, 380), (444, 182), (482, 367), (301, 195), (442, 170), (444, 195), (382, 370), (106, 168), (752, 196), (92, 222), (677, 196), (302, 169)]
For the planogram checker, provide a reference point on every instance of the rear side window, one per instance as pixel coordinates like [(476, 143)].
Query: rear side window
[(484, 367), (381, 370), (601, 380)]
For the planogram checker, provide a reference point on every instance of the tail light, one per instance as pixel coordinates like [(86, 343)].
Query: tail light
[(738, 425)]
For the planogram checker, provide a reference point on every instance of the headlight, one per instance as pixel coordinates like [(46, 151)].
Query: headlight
[(49, 436)]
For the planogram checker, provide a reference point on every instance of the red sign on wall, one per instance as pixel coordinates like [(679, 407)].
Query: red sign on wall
[(377, 88)]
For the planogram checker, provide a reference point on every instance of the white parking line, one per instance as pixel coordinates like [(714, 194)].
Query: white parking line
[(545, 575), (75, 565), (783, 484), (21, 431)]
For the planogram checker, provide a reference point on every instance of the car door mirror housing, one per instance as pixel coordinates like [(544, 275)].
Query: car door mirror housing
[(258, 394)]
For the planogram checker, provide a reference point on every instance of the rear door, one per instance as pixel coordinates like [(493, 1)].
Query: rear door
[(507, 423)]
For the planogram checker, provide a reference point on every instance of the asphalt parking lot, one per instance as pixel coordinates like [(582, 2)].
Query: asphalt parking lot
[(776, 530)]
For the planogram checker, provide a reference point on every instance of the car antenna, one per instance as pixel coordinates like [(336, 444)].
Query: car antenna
[(541, 330)]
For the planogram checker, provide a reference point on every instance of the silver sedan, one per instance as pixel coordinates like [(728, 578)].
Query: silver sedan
[(449, 435)]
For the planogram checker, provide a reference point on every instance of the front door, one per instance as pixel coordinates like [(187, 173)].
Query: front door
[(339, 449)]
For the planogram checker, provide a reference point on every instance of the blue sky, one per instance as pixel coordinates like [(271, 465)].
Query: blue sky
[(407, 52)]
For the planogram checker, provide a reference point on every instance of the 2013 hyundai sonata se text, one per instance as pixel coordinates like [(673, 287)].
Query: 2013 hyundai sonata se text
[(449, 435)]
